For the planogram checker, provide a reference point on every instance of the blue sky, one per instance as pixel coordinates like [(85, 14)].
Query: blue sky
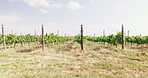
[(24, 16)]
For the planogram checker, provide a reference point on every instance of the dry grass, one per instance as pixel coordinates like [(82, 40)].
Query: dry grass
[(67, 61)]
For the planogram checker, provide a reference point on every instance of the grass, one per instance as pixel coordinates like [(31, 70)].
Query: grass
[(111, 53), (26, 45), (38, 53), (95, 55), (65, 52), (104, 65), (66, 61), (3, 54), (134, 58)]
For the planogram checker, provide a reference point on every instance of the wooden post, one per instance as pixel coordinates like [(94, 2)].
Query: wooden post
[(140, 35), (103, 32), (65, 35), (35, 37), (128, 32), (58, 32), (81, 37), (104, 35), (42, 37), (22, 44), (35, 32), (11, 31), (122, 37), (94, 35), (14, 44), (3, 37)]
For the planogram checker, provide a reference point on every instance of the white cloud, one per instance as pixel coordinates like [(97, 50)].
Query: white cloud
[(44, 5), (72, 5), (10, 18), (44, 10), (35, 3)]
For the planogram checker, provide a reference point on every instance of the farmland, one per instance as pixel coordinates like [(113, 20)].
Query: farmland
[(54, 56), (73, 39)]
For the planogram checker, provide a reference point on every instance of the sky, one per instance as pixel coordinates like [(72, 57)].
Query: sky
[(24, 16)]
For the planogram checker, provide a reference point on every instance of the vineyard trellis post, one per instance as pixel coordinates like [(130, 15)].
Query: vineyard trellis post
[(11, 31), (104, 35), (128, 32), (42, 37), (65, 35), (94, 35), (58, 32), (35, 35), (126, 44), (81, 37), (3, 37), (103, 32), (35, 32), (122, 36)]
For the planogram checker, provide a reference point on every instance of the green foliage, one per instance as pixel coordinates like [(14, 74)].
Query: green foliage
[(10, 39), (137, 39), (78, 38), (111, 39), (134, 58), (117, 39), (49, 38)]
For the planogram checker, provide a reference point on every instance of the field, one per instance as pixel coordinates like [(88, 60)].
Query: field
[(66, 60), (74, 39)]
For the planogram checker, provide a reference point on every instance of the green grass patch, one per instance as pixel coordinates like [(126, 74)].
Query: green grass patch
[(4, 54), (104, 65), (94, 75), (60, 64), (146, 66), (11, 66), (90, 48), (111, 53), (134, 58), (25, 75), (131, 62)]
